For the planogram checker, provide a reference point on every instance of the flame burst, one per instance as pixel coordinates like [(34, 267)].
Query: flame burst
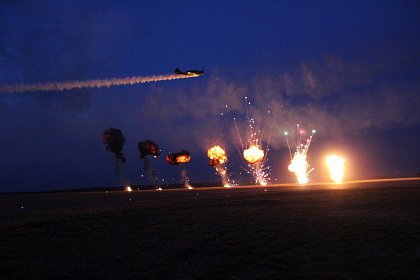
[(128, 189), (253, 153), (217, 156), (336, 167), (299, 164)]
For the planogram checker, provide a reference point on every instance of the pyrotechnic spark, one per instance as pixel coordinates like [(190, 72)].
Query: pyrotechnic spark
[(299, 164), (186, 180), (252, 150), (149, 148), (217, 156), (336, 167), (60, 86)]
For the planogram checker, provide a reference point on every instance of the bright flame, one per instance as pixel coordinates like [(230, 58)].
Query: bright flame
[(253, 154), (217, 154), (336, 166), (128, 189), (299, 166), (183, 159), (251, 148)]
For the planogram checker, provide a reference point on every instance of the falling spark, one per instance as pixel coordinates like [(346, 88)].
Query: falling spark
[(335, 165), (217, 156), (61, 86), (252, 150), (299, 164)]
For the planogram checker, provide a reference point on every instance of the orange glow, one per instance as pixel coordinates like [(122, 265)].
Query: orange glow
[(336, 167), (216, 155), (253, 154), (178, 158), (128, 189), (182, 159), (299, 166)]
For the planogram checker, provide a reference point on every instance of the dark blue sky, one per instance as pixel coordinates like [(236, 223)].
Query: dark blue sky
[(350, 69)]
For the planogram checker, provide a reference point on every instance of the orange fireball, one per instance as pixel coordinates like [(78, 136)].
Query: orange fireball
[(178, 158), (216, 155), (253, 154)]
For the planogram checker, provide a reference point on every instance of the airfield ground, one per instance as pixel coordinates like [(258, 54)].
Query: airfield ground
[(357, 230)]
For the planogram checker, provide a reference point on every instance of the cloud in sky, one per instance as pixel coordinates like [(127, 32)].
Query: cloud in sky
[(334, 96)]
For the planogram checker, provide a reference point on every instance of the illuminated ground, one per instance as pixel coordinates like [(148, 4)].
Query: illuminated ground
[(358, 230)]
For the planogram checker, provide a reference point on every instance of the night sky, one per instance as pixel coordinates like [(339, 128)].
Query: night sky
[(349, 69)]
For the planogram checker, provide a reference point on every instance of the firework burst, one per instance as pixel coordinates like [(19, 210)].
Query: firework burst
[(299, 164), (252, 150)]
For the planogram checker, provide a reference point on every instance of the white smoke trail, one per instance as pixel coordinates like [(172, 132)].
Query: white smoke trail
[(60, 86)]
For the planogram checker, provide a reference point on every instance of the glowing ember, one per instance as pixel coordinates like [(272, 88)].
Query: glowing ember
[(128, 189), (253, 154), (178, 158), (336, 167)]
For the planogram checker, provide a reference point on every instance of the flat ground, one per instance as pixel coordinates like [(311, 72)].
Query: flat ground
[(359, 230)]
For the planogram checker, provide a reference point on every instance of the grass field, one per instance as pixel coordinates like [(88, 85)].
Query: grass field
[(366, 230)]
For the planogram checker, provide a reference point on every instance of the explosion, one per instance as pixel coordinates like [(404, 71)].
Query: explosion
[(114, 141), (336, 167), (128, 189), (299, 164), (177, 159), (217, 156), (253, 154), (149, 148)]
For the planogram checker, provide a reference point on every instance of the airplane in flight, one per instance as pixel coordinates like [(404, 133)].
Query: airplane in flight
[(189, 72)]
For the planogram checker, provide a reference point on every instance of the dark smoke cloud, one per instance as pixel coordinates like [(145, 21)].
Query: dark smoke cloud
[(114, 141)]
